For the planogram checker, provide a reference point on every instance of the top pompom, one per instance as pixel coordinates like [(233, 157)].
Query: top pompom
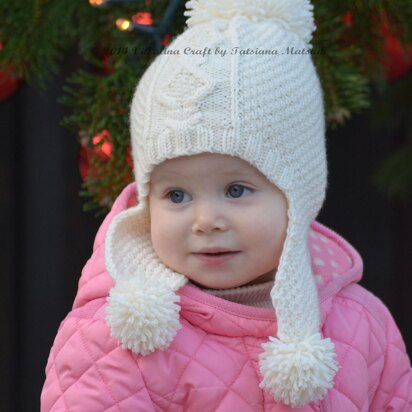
[(294, 15)]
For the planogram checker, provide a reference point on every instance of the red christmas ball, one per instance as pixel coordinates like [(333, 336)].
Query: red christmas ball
[(167, 38), (398, 61), (9, 82), (101, 148), (8, 85), (143, 17), (107, 64)]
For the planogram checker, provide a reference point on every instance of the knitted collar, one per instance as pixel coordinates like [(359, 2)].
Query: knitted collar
[(257, 295)]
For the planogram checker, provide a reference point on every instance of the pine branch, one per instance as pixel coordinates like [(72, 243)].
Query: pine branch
[(37, 33)]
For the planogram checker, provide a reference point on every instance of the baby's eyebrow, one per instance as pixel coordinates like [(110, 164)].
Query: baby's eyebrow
[(166, 176), (174, 174)]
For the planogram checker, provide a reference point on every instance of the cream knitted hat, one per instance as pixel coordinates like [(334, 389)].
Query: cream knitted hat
[(258, 101)]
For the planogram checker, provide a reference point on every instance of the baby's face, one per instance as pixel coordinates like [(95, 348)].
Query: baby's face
[(216, 201)]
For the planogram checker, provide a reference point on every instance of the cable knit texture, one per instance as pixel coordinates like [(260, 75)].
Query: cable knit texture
[(265, 109), (212, 363)]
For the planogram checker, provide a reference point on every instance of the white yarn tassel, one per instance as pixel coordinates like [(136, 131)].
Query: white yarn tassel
[(142, 314), (294, 15), (298, 373)]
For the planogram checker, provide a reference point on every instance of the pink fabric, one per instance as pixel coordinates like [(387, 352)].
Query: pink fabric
[(212, 365)]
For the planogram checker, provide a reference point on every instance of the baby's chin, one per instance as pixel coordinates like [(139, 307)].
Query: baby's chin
[(213, 285), (221, 284), (221, 280)]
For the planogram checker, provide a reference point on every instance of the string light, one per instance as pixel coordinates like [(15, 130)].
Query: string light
[(143, 17), (142, 22), (97, 3), (103, 140), (124, 24)]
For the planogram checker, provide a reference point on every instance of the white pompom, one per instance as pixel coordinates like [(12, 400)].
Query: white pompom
[(294, 15), (143, 314), (298, 373)]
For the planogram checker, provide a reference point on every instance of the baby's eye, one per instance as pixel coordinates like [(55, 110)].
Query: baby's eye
[(176, 196), (237, 190)]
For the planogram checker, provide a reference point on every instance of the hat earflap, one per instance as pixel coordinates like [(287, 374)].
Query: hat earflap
[(297, 373), (143, 314), (298, 366)]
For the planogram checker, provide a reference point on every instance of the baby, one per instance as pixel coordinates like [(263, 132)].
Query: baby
[(209, 203), (211, 286)]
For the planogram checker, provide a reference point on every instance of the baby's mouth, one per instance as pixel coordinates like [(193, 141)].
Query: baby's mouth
[(215, 256), (215, 251)]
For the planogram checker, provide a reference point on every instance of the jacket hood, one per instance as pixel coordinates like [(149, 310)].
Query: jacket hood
[(335, 264)]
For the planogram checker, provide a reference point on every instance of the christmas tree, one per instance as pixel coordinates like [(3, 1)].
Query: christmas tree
[(354, 49)]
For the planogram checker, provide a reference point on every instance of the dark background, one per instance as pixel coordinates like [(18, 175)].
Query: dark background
[(47, 238)]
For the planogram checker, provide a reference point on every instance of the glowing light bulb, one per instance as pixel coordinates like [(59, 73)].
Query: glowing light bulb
[(143, 17), (123, 24), (96, 3)]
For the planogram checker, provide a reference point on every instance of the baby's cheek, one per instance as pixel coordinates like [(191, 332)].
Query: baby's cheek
[(166, 237), (158, 233), (272, 240)]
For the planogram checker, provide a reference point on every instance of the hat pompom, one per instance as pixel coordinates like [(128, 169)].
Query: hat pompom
[(300, 372), (294, 15), (143, 314)]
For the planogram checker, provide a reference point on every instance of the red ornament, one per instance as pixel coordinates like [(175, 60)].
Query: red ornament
[(167, 38), (348, 18), (9, 82), (107, 65), (398, 61), (103, 143), (143, 17), (101, 148)]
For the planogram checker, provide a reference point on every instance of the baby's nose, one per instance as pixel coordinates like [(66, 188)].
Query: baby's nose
[(209, 217)]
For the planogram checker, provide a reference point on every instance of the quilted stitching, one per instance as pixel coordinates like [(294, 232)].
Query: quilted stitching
[(60, 389), (89, 350), (212, 365), (394, 389), (97, 359), (187, 364), (227, 384)]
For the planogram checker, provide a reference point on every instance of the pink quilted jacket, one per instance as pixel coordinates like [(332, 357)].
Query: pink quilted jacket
[(212, 364)]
